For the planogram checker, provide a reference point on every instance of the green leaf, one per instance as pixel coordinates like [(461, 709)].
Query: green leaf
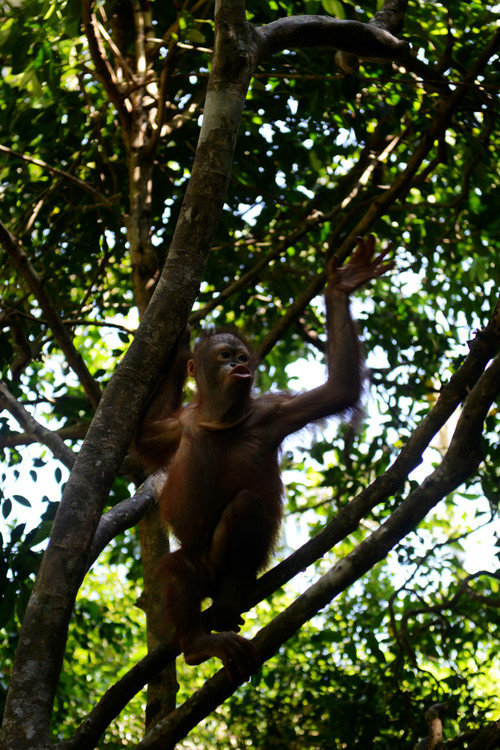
[(333, 8)]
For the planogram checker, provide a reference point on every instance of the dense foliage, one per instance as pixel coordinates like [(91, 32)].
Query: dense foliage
[(94, 164)]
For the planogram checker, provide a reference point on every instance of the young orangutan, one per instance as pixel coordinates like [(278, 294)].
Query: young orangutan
[(223, 495)]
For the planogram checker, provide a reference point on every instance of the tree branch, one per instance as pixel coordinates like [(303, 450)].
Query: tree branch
[(49, 609), (39, 433), (488, 738), (375, 151), (103, 69), (460, 461), (373, 41), (37, 286), (243, 282), (482, 348), (361, 39), (72, 432), (64, 563), (391, 16), (116, 698), (378, 206), (401, 633), (90, 189), (125, 515)]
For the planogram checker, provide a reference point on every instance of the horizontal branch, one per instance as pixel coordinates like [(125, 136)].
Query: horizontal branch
[(366, 41), (374, 41), (72, 432)]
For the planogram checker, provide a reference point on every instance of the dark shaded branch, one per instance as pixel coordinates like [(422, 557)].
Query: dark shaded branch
[(13, 439), (35, 430), (117, 52), (102, 67), (482, 348), (391, 16), (460, 461), (360, 39), (379, 205), (61, 335), (88, 188), (353, 39), (125, 515), (88, 733), (488, 738)]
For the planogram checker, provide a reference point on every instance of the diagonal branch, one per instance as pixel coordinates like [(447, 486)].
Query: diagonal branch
[(90, 189), (460, 461), (34, 429), (125, 515), (399, 188), (243, 281), (482, 349), (61, 335), (49, 609), (487, 738), (340, 215), (102, 66), (116, 698)]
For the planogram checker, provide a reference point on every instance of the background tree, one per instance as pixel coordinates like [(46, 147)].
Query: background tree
[(107, 181)]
